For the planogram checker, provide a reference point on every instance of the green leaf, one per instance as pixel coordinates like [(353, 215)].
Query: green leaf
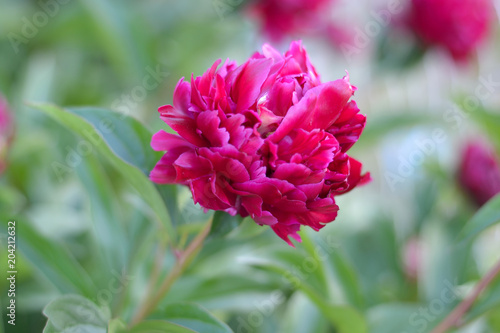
[(348, 278), (489, 300), (221, 292), (54, 261), (108, 230), (111, 30), (223, 223), (74, 313), (312, 254), (159, 326), (345, 318), (486, 216), (302, 316), (126, 136), (494, 320), (117, 325), (247, 229), (487, 119), (194, 317), (120, 150), (400, 318)]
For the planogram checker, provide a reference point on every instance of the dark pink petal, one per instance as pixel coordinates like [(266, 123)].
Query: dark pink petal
[(299, 54), (182, 96), (191, 166), (203, 194), (266, 218), (248, 84), (311, 190), (280, 96), (206, 80), (349, 111), (208, 124), (228, 167), (197, 102), (286, 230), (323, 210), (182, 123), (269, 121), (166, 141), (354, 176), (164, 172), (293, 173), (319, 108), (253, 205)]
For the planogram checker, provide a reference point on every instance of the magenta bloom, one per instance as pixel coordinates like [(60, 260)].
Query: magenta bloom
[(285, 17), (265, 139), (457, 25), (479, 172), (6, 131)]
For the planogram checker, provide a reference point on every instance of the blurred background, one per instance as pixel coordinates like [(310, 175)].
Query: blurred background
[(391, 247)]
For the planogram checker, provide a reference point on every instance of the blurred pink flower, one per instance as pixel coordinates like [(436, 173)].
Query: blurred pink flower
[(6, 132), (265, 139), (282, 18), (457, 25), (412, 257), (479, 172)]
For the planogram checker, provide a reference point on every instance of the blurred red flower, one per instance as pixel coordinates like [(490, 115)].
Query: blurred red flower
[(479, 172), (265, 139), (457, 25)]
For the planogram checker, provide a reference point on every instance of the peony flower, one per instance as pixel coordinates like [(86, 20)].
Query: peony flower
[(457, 25), (284, 17), (265, 139), (479, 172), (281, 18), (6, 132)]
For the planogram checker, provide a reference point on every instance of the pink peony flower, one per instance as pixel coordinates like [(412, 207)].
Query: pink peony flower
[(6, 132), (265, 139), (281, 18), (479, 172), (457, 25)]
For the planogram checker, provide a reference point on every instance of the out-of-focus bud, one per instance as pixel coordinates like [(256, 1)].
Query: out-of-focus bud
[(479, 172)]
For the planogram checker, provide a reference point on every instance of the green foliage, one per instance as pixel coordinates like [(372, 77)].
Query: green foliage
[(54, 261), (195, 318), (487, 216), (73, 313), (121, 152)]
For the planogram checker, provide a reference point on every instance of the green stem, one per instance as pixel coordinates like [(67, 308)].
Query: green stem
[(184, 259), (453, 319)]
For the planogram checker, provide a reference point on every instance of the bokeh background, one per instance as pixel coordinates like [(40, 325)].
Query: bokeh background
[(390, 249)]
